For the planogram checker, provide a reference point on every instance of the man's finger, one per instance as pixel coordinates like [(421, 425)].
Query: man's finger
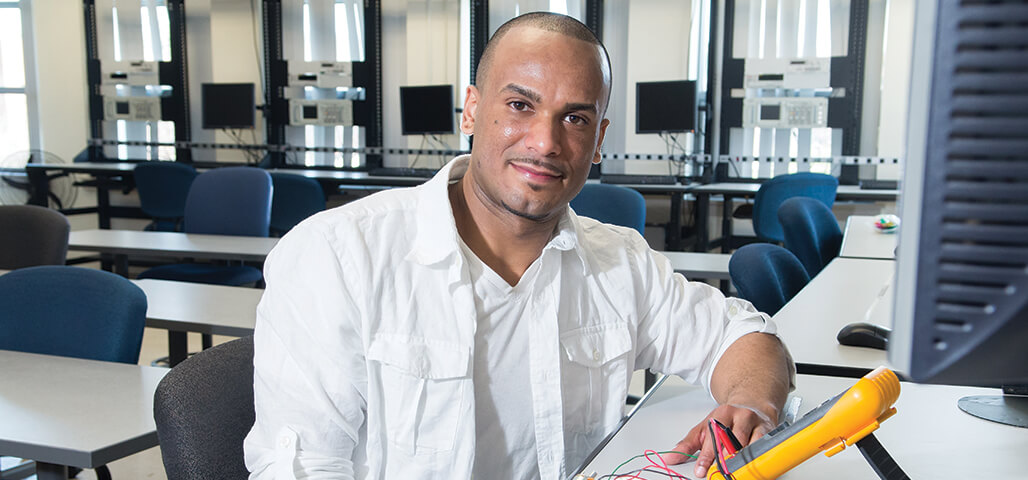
[(687, 446)]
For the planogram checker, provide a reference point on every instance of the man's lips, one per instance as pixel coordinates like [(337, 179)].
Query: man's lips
[(537, 172)]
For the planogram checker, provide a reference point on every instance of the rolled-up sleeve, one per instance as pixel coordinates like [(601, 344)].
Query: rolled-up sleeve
[(310, 379), (685, 326)]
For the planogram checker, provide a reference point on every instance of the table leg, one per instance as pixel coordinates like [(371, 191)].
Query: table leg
[(702, 216), (726, 224), (121, 265), (103, 206), (673, 239), (49, 471), (178, 347)]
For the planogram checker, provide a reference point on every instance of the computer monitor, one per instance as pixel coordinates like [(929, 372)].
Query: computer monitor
[(665, 106), (426, 110), (227, 105), (960, 311)]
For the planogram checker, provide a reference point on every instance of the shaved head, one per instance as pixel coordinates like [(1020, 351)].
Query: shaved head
[(551, 22)]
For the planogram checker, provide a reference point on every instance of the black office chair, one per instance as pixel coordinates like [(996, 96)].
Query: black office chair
[(32, 236), (811, 232), (204, 409), (767, 275)]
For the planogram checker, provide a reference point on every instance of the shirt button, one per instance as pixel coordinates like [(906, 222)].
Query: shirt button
[(284, 441), (733, 310), (596, 355)]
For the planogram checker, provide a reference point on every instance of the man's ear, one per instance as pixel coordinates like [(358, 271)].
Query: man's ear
[(599, 141), (467, 117)]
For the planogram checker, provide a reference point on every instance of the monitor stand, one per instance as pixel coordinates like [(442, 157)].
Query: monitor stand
[(1011, 408)]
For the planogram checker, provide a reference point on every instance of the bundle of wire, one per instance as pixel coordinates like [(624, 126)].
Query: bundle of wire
[(724, 442), (657, 466)]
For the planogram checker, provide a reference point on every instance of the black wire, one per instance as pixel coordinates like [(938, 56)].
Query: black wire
[(731, 436), (717, 459)]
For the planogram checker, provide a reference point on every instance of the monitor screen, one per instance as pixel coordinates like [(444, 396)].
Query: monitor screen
[(426, 109), (960, 312), (665, 106), (227, 105)]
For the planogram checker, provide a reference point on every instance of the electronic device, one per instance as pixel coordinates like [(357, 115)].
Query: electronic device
[(630, 179), (862, 334), (848, 418), (665, 106), (320, 74), (960, 312), (785, 112), (426, 110), (227, 105), (320, 112), (136, 73), (136, 109), (792, 73)]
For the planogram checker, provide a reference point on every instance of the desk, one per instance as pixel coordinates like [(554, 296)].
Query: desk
[(699, 264), (107, 175), (862, 240), (122, 243), (841, 294), (63, 411), (731, 190), (182, 307), (676, 192), (928, 437)]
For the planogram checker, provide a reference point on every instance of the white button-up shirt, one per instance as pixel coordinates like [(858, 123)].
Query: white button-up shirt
[(365, 336)]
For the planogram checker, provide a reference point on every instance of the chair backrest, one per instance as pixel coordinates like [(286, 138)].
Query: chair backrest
[(31, 236), (767, 275), (778, 189), (295, 198), (203, 409), (72, 312), (230, 201), (163, 188), (811, 232), (614, 204)]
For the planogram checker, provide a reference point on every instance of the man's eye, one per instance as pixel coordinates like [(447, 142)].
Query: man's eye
[(519, 106), (576, 120)]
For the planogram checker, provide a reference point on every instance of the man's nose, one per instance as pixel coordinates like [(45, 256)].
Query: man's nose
[(544, 136)]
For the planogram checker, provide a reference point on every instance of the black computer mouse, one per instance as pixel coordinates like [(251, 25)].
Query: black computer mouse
[(864, 335)]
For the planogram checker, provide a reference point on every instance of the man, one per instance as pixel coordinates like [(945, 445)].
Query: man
[(474, 326)]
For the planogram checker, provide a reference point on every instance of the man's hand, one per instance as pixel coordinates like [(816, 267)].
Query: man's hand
[(748, 424)]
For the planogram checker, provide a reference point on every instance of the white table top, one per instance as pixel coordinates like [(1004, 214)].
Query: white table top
[(862, 240), (700, 264), (172, 244), (197, 307), (88, 167), (843, 192), (841, 294), (75, 412), (928, 437)]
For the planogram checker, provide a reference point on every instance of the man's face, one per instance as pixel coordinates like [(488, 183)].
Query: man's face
[(537, 120)]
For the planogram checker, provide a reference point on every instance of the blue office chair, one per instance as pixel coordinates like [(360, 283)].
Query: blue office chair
[(811, 232), (781, 188), (72, 312), (163, 188), (223, 201), (295, 198), (31, 235), (767, 275), (614, 204)]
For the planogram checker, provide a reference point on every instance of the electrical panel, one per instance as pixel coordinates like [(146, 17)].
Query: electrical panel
[(320, 112), (789, 73), (785, 112), (138, 109), (321, 74), (137, 73)]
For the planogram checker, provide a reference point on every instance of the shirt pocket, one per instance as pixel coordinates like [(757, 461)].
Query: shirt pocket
[(423, 386), (594, 369)]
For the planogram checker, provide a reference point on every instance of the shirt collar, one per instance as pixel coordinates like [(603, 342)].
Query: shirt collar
[(437, 238)]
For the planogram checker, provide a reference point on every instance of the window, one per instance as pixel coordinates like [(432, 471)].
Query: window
[(16, 107)]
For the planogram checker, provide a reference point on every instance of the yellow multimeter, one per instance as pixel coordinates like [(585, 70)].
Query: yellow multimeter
[(848, 418)]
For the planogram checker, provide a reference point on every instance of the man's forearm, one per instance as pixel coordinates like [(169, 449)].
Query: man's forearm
[(755, 372)]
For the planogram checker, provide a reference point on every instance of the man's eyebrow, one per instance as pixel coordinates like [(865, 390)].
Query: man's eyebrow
[(533, 96), (525, 92)]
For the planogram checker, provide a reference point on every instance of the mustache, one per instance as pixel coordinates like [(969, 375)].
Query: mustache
[(540, 164)]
